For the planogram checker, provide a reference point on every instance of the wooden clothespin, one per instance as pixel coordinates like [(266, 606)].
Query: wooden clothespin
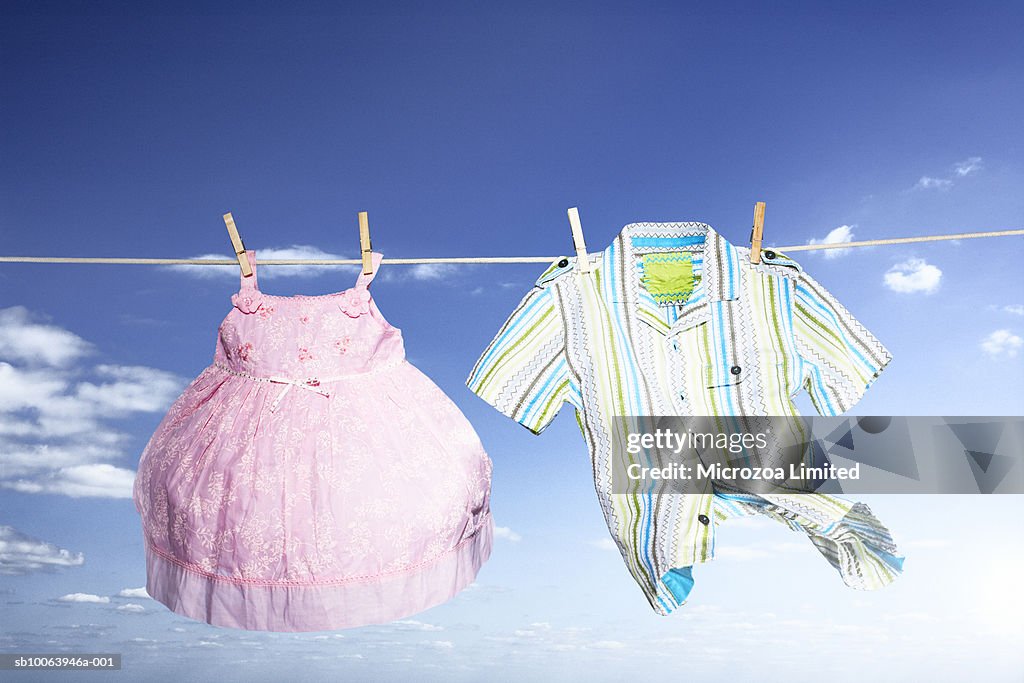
[(582, 261), (757, 233), (236, 243), (364, 243)]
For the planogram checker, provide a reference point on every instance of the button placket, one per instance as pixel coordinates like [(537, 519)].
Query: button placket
[(679, 394)]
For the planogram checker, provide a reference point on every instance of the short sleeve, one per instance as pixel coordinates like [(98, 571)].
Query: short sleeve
[(524, 372), (839, 357)]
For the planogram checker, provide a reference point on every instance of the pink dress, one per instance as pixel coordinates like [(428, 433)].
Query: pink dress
[(311, 478)]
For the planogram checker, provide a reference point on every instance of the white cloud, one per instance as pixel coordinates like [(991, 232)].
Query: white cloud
[(133, 593), (844, 233), (539, 637), (21, 388), (961, 169), (430, 271), (132, 389), (536, 629), (296, 251), (420, 272), (1002, 343), (913, 275), (84, 597), (23, 554), (967, 166), (1015, 309), (100, 480), (413, 625), (63, 405), (55, 434), (604, 544), (929, 183), (26, 460), (507, 534), (24, 338), (132, 608)]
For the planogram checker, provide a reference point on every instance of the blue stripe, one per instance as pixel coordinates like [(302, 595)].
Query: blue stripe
[(818, 387), (541, 395), (679, 581), (666, 242), (630, 363), (729, 257)]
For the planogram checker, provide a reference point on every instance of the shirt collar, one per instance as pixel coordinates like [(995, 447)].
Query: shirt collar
[(720, 278)]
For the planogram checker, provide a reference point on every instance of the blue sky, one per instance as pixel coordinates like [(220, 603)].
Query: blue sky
[(468, 131)]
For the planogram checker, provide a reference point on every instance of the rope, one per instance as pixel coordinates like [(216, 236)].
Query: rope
[(466, 259)]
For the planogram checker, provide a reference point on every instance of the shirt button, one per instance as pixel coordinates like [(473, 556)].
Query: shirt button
[(563, 263), (735, 369), (769, 254), (703, 519)]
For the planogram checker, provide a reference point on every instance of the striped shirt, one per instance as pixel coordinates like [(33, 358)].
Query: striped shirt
[(672, 319)]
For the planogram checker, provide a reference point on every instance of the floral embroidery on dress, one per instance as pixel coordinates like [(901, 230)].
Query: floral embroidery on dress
[(245, 351), (343, 343), (305, 355), (354, 302)]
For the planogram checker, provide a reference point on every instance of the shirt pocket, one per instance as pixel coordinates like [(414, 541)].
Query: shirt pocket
[(761, 387), (721, 386), (721, 374)]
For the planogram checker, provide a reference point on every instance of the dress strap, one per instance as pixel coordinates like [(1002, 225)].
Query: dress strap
[(248, 284), (364, 280)]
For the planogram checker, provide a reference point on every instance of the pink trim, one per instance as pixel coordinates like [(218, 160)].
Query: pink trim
[(301, 606)]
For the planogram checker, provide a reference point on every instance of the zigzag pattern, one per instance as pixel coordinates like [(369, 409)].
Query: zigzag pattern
[(662, 352), (837, 386), (519, 387)]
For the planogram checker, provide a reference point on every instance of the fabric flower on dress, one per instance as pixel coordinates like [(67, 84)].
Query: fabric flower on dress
[(247, 302), (354, 302)]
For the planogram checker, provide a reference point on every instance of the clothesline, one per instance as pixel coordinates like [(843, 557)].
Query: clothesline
[(467, 259)]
